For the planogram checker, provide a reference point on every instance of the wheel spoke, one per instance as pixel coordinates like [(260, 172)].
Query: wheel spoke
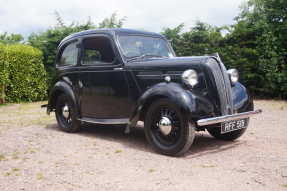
[(172, 116), (169, 113)]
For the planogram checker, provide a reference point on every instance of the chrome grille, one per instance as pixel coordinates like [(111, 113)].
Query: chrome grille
[(218, 70)]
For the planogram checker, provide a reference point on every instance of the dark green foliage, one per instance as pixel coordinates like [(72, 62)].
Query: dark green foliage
[(4, 65), (112, 22), (239, 52), (12, 39), (256, 45), (175, 38), (4, 73), (22, 73), (268, 18)]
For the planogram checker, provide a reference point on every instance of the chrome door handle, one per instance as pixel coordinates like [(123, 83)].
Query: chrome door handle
[(118, 69)]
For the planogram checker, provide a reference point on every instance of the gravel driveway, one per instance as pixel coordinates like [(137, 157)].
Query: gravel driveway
[(35, 155)]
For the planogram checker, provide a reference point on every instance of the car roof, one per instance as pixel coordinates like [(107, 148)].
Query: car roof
[(112, 32)]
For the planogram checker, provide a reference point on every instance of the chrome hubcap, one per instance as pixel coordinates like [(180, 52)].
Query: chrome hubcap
[(165, 125), (65, 111)]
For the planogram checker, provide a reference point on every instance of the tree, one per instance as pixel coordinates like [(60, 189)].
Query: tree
[(239, 52), (201, 39), (112, 22), (175, 38), (11, 39), (269, 20)]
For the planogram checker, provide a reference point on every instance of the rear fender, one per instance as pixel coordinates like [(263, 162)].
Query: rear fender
[(59, 88)]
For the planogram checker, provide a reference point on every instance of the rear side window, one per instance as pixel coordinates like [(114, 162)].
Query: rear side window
[(69, 55), (97, 50)]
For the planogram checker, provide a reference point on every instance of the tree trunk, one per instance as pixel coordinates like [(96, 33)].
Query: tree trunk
[(3, 95)]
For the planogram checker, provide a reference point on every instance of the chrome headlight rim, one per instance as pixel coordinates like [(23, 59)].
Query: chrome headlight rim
[(190, 77), (233, 75)]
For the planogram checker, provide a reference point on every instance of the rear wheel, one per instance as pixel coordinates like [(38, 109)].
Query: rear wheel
[(167, 130), (64, 115)]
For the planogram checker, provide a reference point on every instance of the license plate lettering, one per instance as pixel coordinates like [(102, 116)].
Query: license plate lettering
[(238, 124), (233, 125)]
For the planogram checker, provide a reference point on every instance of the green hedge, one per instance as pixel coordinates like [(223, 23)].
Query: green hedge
[(22, 73)]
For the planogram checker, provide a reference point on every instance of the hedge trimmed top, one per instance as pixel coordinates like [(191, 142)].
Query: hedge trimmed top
[(22, 73)]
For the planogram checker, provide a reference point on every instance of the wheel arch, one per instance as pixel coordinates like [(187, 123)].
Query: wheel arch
[(147, 104), (187, 101), (53, 100), (59, 88)]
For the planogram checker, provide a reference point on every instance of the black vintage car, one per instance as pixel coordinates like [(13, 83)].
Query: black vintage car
[(122, 76)]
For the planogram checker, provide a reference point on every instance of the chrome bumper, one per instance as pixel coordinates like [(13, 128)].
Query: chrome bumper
[(226, 118)]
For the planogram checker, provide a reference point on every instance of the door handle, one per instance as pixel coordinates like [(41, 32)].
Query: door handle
[(118, 69)]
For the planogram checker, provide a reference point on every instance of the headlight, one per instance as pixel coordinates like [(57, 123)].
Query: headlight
[(190, 77), (233, 75)]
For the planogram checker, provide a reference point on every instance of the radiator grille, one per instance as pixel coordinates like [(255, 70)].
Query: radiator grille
[(220, 76)]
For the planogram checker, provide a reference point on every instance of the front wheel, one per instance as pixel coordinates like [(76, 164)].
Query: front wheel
[(64, 115), (167, 130)]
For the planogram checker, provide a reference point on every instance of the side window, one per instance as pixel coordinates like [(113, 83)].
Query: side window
[(97, 50), (69, 55)]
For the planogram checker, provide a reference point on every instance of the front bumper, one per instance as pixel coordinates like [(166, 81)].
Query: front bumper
[(226, 118)]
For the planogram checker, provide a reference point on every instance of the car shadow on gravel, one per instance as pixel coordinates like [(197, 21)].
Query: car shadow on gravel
[(203, 143)]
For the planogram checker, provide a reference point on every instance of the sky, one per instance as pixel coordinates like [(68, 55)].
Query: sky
[(27, 16)]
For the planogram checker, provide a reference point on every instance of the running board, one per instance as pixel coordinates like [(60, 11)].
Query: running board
[(109, 122)]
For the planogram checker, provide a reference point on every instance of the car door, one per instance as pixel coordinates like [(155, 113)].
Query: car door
[(104, 91)]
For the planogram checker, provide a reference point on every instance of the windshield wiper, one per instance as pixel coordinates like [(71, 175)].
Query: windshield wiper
[(135, 58), (157, 56), (142, 56)]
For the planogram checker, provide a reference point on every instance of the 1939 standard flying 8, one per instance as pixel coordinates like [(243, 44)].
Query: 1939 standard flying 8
[(122, 76)]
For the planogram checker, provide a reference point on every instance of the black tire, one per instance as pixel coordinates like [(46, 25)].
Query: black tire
[(175, 141), (65, 120), (230, 136)]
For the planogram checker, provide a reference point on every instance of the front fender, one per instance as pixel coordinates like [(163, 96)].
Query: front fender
[(242, 100), (193, 105), (59, 88)]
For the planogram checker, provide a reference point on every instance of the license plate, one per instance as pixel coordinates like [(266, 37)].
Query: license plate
[(234, 125)]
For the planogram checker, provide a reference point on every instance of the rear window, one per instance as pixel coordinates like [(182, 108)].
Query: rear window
[(69, 56)]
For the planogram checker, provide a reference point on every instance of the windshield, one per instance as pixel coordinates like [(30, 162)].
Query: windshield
[(133, 46)]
